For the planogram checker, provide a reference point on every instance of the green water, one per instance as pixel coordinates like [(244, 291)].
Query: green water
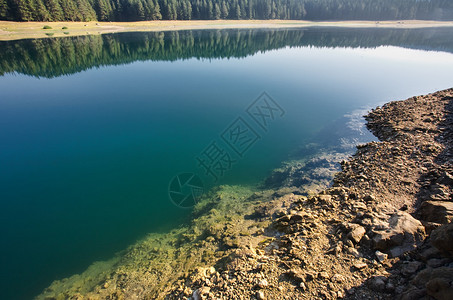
[(93, 129)]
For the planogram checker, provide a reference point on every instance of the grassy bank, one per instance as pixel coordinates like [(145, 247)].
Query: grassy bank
[(27, 30)]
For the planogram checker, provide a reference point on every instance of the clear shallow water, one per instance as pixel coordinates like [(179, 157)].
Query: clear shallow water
[(90, 143)]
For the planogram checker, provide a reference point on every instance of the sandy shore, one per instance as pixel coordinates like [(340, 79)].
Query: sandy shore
[(27, 30)]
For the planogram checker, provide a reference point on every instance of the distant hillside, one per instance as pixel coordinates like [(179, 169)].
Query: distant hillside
[(138, 10)]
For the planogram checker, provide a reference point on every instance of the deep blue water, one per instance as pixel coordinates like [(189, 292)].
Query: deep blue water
[(89, 142)]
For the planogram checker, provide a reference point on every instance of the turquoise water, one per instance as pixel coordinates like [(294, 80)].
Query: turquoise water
[(93, 129)]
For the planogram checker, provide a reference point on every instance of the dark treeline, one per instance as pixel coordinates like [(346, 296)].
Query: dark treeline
[(62, 56), (139, 10)]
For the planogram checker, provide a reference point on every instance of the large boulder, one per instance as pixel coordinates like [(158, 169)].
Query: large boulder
[(436, 211), (404, 233)]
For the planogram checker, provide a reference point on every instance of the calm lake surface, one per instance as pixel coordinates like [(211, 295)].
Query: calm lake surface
[(93, 129)]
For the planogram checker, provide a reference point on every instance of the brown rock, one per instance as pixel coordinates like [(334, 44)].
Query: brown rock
[(262, 284), (296, 275), (260, 295), (369, 198), (410, 268), (323, 275), (297, 218), (403, 234), (201, 293), (187, 292), (434, 282), (413, 294), (446, 179), (337, 278), (436, 211), (390, 287), (440, 289), (442, 239), (360, 265), (377, 283), (435, 262), (325, 198), (380, 256), (430, 226), (356, 234), (429, 274), (353, 251)]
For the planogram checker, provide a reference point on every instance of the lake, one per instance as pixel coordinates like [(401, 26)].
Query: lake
[(95, 129)]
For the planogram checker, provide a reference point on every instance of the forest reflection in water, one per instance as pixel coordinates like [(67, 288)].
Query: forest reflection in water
[(53, 57)]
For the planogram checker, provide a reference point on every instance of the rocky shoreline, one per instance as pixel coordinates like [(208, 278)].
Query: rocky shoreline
[(382, 231)]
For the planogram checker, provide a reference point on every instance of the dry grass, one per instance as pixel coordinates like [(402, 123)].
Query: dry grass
[(27, 30)]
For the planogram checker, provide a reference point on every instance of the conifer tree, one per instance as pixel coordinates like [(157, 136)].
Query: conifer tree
[(224, 11), (41, 13), (216, 11), (157, 15), (54, 9), (103, 10), (140, 11), (4, 10), (129, 10), (24, 12), (69, 10)]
